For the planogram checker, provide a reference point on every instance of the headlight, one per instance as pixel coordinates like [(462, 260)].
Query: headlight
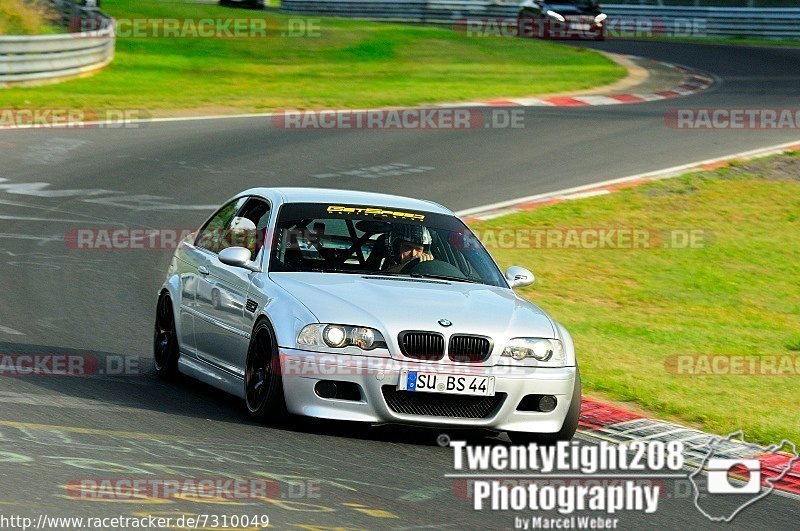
[(334, 336), (340, 336), (600, 18), (548, 352), (557, 16)]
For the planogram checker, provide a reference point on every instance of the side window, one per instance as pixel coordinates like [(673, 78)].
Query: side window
[(249, 226), (215, 235)]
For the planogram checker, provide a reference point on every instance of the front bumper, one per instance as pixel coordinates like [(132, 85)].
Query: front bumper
[(302, 370)]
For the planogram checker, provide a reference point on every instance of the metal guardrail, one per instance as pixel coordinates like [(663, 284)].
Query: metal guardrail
[(440, 11), (27, 59), (713, 3), (772, 23)]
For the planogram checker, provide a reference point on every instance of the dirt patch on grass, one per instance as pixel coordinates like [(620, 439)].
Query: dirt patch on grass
[(781, 168), (785, 168)]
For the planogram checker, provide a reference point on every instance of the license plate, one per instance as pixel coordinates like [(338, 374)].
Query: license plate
[(426, 382), (580, 26)]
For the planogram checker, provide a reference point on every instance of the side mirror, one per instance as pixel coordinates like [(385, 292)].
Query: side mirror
[(238, 257), (519, 277)]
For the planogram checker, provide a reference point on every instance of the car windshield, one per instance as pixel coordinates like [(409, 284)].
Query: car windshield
[(577, 3), (376, 240)]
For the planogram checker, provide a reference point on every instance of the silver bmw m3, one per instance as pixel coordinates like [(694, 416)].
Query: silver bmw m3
[(363, 307)]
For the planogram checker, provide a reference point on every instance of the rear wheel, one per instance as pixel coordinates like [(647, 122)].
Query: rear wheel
[(165, 340), (567, 430), (263, 384)]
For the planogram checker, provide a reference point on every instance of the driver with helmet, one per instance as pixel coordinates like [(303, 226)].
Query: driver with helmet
[(407, 243)]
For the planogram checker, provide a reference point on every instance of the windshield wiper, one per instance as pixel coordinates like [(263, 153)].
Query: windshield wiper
[(337, 270), (421, 275), (444, 277), (392, 274)]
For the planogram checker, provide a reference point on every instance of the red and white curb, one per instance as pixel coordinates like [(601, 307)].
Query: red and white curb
[(485, 212), (693, 82), (607, 422)]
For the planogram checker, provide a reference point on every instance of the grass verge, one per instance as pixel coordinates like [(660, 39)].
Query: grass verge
[(346, 64), (632, 311)]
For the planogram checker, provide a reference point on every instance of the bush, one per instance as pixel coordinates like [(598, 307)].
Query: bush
[(26, 17)]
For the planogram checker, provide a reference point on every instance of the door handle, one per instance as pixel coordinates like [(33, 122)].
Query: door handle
[(203, 270)]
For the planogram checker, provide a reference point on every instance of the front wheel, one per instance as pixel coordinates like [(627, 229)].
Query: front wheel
[(567, 430), (165, 340), (263, 384)]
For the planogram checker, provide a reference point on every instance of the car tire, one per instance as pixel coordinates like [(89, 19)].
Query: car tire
[(567, 430), (263, 384), (166, 349)]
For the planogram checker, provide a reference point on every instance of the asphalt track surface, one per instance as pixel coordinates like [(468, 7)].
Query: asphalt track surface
[(54, 430)]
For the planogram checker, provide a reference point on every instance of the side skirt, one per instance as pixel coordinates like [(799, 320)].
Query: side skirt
[(211, 374)]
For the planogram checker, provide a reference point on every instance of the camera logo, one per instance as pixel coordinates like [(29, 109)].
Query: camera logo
[(734, 480), (719, 483)]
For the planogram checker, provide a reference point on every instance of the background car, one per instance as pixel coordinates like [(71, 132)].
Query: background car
[(561, 19), (250, 4)]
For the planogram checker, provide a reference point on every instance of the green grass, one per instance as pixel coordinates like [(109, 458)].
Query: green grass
[(631, 310), (350, 64)]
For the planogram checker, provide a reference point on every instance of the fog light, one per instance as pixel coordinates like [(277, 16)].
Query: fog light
[(325, 389), (547, 403)]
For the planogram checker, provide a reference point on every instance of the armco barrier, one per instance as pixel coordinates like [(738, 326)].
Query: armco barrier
[(27, 59), (769, 23), (772, 23), (441, 11)]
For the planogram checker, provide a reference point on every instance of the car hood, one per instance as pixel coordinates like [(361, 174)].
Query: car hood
[(392, 304), (569, 9)]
